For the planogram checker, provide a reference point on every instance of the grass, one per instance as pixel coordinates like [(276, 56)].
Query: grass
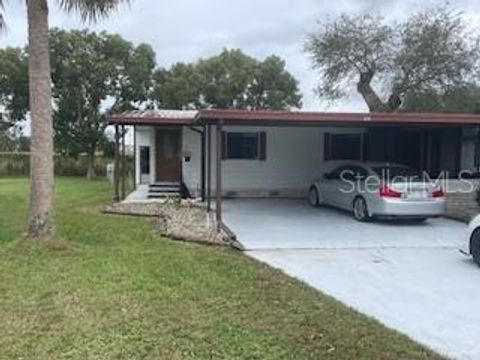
[(127, 293)]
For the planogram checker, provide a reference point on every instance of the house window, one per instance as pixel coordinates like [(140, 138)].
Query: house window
[(244, 145), (343, 146), (145, 160)]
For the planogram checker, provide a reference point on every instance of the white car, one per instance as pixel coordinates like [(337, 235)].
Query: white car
[(472, 243), (378, 189)]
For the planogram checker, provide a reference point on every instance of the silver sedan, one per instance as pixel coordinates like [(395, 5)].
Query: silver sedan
[(378, 189)]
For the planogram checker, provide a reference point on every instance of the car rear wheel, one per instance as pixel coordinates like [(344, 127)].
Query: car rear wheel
[(360, 209), (475, 246), (313, 196)]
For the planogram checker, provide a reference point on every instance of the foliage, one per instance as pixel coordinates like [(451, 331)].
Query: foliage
[(127, 293), (432, 51), (177, 88), (13, 86), (14, 143), (92, 74), (133, 80), (91, 10), (89, 69), (2, 19), (461, 99), (274, 87), (228, 80), (41, 223), (81, 77), (18, 164)]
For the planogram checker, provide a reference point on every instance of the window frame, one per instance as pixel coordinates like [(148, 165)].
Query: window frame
[(328, 140), (261, 151), (148, 163)]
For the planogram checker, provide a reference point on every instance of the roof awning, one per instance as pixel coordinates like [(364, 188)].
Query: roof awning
[(153, 117), (290, 118), (304, 118)]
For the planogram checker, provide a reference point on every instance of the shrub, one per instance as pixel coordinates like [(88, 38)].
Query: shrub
[(18, 164)]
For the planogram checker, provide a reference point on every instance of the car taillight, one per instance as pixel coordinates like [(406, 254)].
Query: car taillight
[(385, 191), (438, 194)]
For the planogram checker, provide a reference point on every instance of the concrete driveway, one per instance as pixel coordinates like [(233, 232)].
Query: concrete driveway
[(293, 224), (410, 277)]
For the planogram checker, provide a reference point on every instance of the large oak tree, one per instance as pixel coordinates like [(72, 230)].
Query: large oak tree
[(430, 52), (231, 79)]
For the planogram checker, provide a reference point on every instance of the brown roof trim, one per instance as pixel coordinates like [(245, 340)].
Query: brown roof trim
[(146, 120), (292, 118), (298, 118)]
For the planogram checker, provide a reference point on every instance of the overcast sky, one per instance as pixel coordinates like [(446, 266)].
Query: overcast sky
[(184, 30)]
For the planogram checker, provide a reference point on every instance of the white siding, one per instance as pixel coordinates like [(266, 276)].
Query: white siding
[(192, 169), (294, 159), (144, 136)]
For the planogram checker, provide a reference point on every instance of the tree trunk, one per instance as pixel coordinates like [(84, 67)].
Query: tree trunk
[(373, 101), (41, 219), (91, 163)]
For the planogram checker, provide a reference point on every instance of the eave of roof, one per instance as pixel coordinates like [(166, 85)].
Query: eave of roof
[(123, 120), (153, 117), (290, 118)]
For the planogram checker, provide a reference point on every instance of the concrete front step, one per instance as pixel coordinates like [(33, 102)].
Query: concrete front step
[(165, 183), (163, 196), (164, 189)]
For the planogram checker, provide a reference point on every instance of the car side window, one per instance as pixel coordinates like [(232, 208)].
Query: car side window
[(332, 175), (360, 172), (349, 173), (340, 173)]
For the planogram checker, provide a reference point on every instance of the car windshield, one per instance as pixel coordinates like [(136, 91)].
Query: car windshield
[(392, 172)]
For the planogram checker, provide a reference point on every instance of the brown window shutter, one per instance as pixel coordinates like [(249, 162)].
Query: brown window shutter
[(263, 146), (224, 145)]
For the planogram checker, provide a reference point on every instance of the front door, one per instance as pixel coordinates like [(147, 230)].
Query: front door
[(168, 149)]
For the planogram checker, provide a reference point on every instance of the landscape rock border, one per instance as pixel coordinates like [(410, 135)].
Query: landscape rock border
[(185, 220)]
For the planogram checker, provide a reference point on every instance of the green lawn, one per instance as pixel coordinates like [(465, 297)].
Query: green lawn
[(126, 293)]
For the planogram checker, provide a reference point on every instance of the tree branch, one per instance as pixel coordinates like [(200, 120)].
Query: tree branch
[(365, 89)]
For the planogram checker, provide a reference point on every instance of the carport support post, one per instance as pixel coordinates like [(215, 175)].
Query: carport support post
[(218, 190), (203, 146), (124, 164), (209, 168), (116, 173)]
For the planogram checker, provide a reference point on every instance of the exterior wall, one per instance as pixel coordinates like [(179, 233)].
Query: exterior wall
[(294, 159), (144, 136), (449, 150), (192, 142), (468, 155), (470, 137), (461, 199)]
